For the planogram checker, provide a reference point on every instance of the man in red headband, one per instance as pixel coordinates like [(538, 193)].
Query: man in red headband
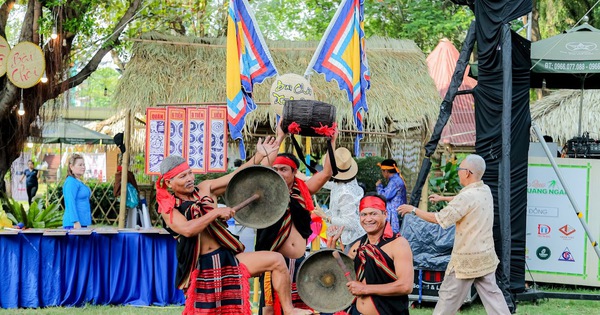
[(212, 267), (383, 263), (289, 235)]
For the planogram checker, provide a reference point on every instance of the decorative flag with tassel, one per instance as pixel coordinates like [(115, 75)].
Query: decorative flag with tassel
[(248, 61), (341, 56)]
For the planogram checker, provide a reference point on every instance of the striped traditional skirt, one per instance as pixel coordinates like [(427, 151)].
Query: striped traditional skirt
[(221, 286)]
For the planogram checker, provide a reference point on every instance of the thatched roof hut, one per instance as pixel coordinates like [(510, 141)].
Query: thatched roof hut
[(403, 99), (557, 114)]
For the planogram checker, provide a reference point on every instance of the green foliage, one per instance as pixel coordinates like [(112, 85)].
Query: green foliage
[(37, 217), (368, 171), (557, 16), (423, 21), (448, 184), (96, 90)]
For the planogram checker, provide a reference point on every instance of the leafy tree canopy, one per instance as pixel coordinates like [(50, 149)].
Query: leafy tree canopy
[(424, 21)]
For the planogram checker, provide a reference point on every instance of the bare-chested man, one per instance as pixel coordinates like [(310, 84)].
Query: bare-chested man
[(290, 234), (383, 263), (212, 266)]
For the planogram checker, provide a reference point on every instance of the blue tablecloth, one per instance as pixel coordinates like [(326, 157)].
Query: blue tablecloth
[(72, 270)]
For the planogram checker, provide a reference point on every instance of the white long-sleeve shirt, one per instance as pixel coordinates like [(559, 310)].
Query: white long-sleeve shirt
[(343, 208)]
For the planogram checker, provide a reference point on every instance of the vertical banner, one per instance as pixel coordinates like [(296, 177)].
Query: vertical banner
[(176, 132), (17, 169), (95, 166), (155, 139), (196, 129), (555, 238), (217, 141)]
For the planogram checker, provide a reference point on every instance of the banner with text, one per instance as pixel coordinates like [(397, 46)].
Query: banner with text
[(198, 134), (555, 237)]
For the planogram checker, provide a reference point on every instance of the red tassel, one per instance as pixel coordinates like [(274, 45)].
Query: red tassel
[(246, 289), (294, 128), (276, 304), (325, 131), (341, 313), (191, 294)]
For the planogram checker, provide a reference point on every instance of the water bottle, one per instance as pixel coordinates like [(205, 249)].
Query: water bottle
[(145, 215)]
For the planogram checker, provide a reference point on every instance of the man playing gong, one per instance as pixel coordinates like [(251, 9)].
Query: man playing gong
[(383, 263), (212, 266), (289, 235)]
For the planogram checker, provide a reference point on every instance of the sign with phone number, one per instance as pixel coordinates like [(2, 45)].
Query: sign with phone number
[(576, 67)]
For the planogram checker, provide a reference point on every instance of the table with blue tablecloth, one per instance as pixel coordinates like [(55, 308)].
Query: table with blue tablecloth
[(52, 268)]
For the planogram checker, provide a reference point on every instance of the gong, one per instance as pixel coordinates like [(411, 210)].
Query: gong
[(321, 282), (269, 191)]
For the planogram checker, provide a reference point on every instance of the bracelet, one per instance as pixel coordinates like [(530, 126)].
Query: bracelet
[(414, 211)]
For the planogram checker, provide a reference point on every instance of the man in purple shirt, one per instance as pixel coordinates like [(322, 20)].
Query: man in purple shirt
[(394, 192)]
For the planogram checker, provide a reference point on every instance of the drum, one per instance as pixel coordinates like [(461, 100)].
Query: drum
[(309, 116)]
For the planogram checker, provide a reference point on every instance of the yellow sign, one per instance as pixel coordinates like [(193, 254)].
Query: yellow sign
[(26, 64), (4, 50), (289, 86)]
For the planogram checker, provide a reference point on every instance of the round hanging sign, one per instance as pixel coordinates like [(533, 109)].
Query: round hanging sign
[(4, 50), (25, 66), (289, 86)]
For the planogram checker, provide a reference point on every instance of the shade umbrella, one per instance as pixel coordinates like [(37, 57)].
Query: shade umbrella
[(570, 60), (62, 131)]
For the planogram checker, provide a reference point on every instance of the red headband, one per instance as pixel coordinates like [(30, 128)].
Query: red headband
[(371, 202), (285, 161), (165, 200)]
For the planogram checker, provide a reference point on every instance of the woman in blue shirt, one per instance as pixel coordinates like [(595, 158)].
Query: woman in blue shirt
[(394, 192), (76, 194)]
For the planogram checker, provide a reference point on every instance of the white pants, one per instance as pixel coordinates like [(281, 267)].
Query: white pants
[(454, 291)]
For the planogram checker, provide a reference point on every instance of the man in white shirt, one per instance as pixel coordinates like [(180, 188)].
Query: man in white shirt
[(344, 199), (473, 258)]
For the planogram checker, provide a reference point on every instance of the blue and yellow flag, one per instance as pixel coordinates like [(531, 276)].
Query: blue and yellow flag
[(341, 56), (248, 61)]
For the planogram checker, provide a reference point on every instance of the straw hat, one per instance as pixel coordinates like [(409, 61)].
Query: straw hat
[(347, 167)]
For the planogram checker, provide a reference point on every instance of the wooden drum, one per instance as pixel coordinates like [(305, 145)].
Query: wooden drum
[(307, 117)]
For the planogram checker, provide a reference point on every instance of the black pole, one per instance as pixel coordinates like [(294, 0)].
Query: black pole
[(445, 112), (504, 190)]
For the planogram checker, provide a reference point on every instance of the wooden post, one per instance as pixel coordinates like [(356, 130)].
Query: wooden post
[(124, 170)]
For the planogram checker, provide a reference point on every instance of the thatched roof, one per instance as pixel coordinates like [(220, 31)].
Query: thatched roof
[(557, 114), (193, 70)]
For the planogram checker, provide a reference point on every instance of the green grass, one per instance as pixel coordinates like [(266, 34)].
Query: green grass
[(544, 306), (98, 310)]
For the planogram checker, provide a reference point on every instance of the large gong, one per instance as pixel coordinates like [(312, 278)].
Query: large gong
[(271, 189), (322, 284)]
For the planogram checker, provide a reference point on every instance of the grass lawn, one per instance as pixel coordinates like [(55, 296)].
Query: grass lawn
[(546, 307)]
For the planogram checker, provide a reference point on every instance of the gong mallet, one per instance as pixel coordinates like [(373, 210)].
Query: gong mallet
[(340, 263), (246, 202)]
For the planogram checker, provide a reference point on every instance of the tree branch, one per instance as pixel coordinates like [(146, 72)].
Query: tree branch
[(4, 11), (27, 27), (111, 42)]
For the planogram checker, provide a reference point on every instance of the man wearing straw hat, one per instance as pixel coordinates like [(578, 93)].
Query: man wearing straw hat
[(344, 198), (383, 264), (212, 266), (289, 235), (394, 192)]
